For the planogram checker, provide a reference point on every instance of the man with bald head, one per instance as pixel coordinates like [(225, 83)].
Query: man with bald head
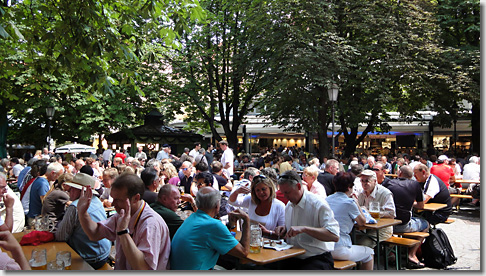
[(201, 239), (405, 192), (166, 205)]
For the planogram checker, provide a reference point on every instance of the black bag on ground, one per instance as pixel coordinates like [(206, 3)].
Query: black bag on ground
[(437, 250)]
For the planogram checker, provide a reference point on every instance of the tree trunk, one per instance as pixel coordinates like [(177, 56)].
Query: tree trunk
[(323, 143), (476, 129)]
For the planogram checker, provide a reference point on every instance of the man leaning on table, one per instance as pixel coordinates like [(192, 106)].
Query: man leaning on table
[(141, 236), (201, 239), (309, 224)]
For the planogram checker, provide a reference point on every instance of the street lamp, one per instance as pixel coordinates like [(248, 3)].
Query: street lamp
[(50, 110), (333, 95)]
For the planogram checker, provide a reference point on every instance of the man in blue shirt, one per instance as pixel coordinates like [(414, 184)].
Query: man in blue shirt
[(201, 239), (40, 187)]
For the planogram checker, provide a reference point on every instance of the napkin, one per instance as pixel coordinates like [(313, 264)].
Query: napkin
[(368, 217), (36, 238)]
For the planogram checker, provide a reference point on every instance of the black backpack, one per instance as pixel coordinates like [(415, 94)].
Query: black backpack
[(437, 251)]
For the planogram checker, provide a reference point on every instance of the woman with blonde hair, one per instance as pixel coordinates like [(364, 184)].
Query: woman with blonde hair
[(263, 208), (169, 174)]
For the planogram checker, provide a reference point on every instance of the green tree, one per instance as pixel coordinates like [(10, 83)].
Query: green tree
[(376, 51), (216, 75), (87, 43), (459, 23)]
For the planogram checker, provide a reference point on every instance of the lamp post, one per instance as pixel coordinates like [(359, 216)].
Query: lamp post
[(50, 110), (333, 93)]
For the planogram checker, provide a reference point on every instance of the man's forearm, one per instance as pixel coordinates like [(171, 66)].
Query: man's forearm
[(245, 235), (9, 219), (135, 257), (89, 227), (321, 234)]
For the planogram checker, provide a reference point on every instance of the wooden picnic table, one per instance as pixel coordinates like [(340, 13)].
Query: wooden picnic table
[(77, 263), (380, 224), (432, 207), (267, 255), (465, 181)]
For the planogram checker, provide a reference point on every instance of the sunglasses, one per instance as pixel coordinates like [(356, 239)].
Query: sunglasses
[(185, 169), (375, 169), (258, 178)]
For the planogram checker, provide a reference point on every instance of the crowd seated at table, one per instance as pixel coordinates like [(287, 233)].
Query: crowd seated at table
[(179, 214)]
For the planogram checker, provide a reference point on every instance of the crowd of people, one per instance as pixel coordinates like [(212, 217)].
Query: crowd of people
[(285, 191)]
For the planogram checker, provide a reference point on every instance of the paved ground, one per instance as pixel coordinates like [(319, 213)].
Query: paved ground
[(465, 238)]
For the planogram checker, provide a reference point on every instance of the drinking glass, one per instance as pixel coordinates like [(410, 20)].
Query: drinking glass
[(64, 256), (38, 260), (55, 265), (255, 239), (375, 210)]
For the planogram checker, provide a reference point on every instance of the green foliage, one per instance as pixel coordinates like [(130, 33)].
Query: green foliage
[(218, 70), (85, 57)]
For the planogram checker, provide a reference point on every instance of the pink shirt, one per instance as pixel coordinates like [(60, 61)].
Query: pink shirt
[(174, 180), (151, 236), (7, 263)]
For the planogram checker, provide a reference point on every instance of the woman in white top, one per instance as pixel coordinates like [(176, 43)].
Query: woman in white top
[(263, 207)]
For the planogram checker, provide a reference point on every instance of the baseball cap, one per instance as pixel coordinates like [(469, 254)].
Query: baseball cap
[(443, 158)]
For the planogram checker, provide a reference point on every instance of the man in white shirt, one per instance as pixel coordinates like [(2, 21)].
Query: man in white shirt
[(309, 224), (375, 193), (195, 151), (140, 154), (472, 171), (227, 159), (16, 167)]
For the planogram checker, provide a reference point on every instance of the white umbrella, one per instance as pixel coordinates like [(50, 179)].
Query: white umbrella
[(75, 148)]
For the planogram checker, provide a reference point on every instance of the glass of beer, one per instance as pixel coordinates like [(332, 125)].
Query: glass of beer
[(255, 239), (38, 259), (64, 256), (375, 210), (55, 265)]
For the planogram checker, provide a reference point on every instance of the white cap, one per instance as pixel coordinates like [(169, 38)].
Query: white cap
[(443, 158)]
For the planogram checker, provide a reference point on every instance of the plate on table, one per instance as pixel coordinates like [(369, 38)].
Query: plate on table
[(278, 245)]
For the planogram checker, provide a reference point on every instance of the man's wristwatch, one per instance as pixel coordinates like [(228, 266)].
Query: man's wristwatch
[(123, 232)]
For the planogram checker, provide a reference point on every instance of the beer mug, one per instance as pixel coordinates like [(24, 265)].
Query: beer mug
[(375, 210), (38, 259), (64, 256), (43, 223), (55, 265), (255, 238)]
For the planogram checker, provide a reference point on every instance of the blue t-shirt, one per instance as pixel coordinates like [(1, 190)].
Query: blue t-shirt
[(39, 188), (345, 212), (198, 243)]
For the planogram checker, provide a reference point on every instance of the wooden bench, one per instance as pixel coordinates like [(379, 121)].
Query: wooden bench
[(449, 221), (343, 265), (413, 235), (461, 196), (395, 242)]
